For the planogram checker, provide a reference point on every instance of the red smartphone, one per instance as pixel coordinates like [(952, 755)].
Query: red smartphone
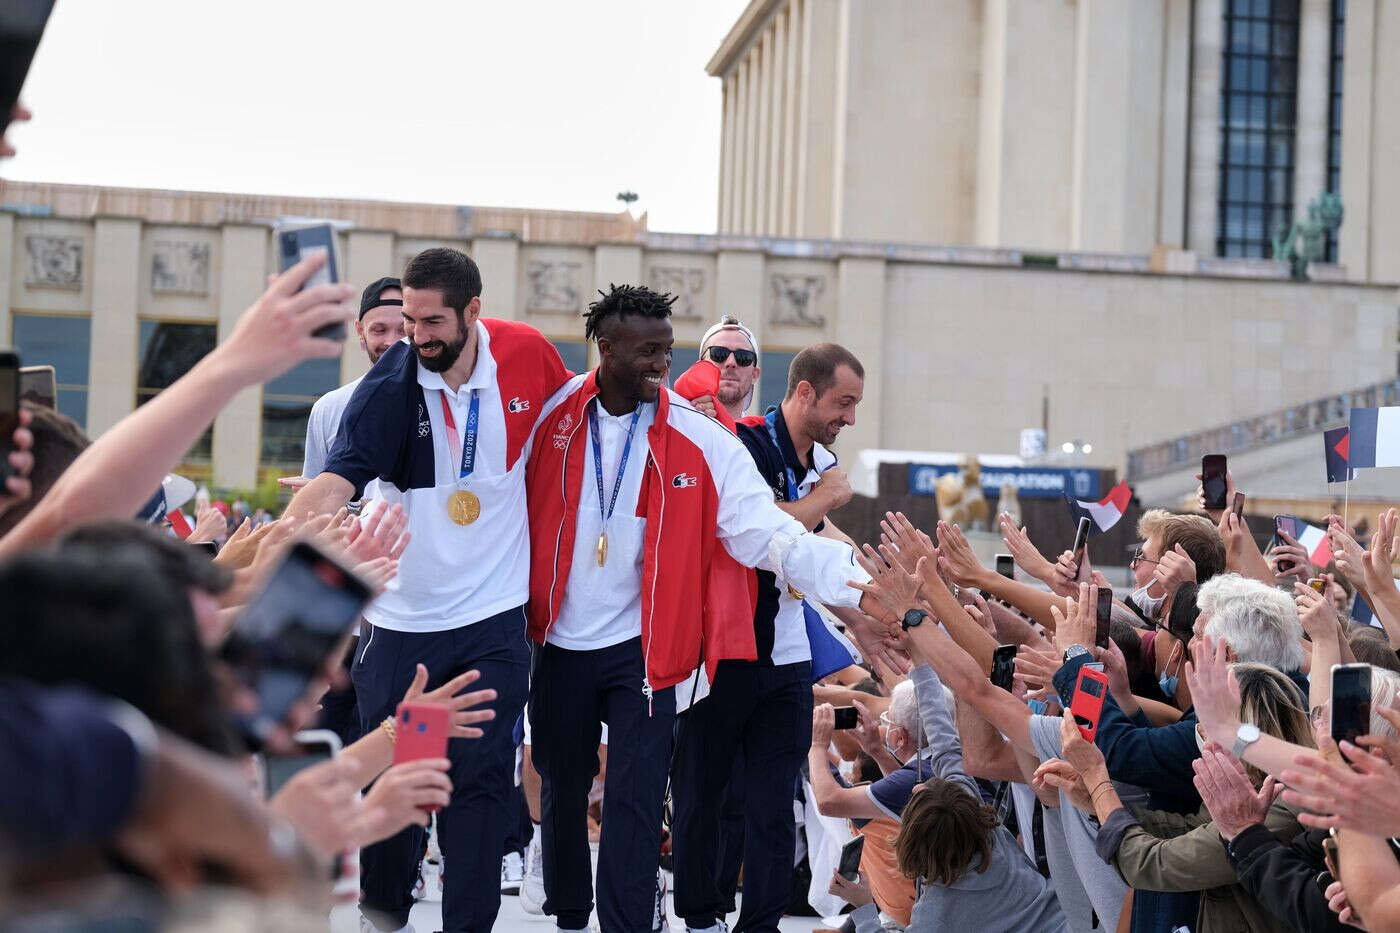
[(1087, 702), (420, 732)]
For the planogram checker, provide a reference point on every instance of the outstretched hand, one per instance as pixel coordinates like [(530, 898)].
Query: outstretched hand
[(458, 704)]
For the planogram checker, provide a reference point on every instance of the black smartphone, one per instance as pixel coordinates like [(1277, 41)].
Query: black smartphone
[(1351, 701), (302, 242), (848, 866), (38, 386), (1286, 525), (21, 28), (1102, 613), (1213, 480), (9, 408), (313, 746), (1006, 566), (1237, 506), (207, 548), (291, 631), (1081, 540), (1003, 666), (846, 717)]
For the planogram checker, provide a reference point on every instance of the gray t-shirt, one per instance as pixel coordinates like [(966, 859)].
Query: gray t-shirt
[(1096, 879)]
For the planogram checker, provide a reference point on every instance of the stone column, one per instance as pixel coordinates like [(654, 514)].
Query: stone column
[(7, 273), (498, 258), (1203, 179), (860, 328), (739, 291), (1360, 83), (369, 255), (112, 360), (1310, 130), (243, 259)]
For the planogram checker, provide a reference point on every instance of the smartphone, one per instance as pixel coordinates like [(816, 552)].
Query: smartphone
[(302, 242), (1003, 666), (38, 386), (1087, 702), (1286, 525), (291, 631), (313, 747), (1213, 480), (21, 28), (207, 548), (1081, 540), (9, 408), (846, 717), (1102, 613), (420, 732), (1237, 506), (848, 866), (1006, 566), (1351, 701)]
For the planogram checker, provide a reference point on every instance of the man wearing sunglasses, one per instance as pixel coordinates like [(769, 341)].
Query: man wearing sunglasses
[(733, 348)]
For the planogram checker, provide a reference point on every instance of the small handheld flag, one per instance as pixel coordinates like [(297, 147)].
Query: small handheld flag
[(1106, 512), (1374, 439), (1336, 448)]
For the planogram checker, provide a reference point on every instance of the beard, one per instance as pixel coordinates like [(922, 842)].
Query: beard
[(731, 395), (447, 352)]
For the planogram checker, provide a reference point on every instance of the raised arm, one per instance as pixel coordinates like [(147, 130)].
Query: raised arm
[(115, 476), (958, 561)]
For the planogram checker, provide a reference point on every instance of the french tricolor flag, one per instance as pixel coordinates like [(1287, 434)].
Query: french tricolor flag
[(1106, 512), (1336, 448), (1314, 541), (1375, 438)]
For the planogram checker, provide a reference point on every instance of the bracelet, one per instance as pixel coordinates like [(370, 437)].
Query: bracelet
[(388, 726), (1099, 786)]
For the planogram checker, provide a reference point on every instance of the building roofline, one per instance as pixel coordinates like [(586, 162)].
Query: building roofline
[(741, 36), (212, 208)]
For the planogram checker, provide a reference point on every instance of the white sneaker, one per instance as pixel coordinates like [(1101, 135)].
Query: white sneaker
[(532, 884), (512, 873), (659, 923)]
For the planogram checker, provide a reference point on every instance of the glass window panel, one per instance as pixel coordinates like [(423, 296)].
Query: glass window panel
[(73, 403), (284, 432), (312, 378), (60, 342), (1259, 38), (1239, 73), (682, 358), (1254, 149), (1255, 189), (1278, 185), (574, 353), (772, 380), (166, 351), (1258, 112)]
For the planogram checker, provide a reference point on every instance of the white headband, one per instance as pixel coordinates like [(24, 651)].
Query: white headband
[(729, 323)]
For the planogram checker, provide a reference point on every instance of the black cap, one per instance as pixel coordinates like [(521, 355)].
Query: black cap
[(370, 299)]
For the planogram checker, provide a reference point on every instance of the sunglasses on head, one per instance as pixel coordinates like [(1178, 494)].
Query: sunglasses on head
[(718, 355)]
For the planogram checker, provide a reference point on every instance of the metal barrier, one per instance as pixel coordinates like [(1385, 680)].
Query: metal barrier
[(1260, 431)]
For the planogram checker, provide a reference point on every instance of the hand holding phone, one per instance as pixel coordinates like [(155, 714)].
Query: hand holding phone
[(301, 243), (1087, 702), (1213, 483), (1006, 566), (1103, 613), (9, 411), (848, 866), (1350, 709), (1237, 506), (1003, 667), (420, 731), (1081, 546)]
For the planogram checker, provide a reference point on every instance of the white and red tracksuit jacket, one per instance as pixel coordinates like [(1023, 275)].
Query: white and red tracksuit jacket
[(709, 515)]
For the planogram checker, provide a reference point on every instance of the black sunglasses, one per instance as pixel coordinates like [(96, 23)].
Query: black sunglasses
[(718, 355)]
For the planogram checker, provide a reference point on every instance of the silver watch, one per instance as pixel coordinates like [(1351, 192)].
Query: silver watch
[(1246, 735)]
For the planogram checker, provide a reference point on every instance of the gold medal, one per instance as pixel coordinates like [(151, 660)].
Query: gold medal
[(602, 549), (463, 507), (793, 592)]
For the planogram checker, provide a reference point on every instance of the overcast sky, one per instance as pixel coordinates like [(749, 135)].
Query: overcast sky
[(520, 103)]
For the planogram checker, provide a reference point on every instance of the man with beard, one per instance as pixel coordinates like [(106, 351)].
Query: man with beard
[(442, 423), (643, 515), (746, 740), (733, 348)]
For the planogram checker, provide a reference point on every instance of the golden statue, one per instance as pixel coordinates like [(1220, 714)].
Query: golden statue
[(960, 499)]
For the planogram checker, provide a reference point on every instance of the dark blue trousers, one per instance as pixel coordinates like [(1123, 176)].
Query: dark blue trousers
[(472, 828), (765, 713), (339, 712), (571, 694)]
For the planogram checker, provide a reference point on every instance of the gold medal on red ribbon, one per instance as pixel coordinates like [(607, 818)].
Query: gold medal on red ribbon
[(463, 507)]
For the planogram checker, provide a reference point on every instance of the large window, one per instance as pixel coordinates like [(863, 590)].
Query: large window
[(287, 403), (574, 354), (61, 342), (1257, 115), (167, 350), (1334, 114), (772, 381)]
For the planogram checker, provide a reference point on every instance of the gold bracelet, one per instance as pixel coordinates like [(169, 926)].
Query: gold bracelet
[(1099, 786), (388, 726)]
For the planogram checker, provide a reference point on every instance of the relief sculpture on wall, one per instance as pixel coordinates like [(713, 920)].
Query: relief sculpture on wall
[(54, 261), (554, 286), (180, 267), (795, 298), (686, 284)]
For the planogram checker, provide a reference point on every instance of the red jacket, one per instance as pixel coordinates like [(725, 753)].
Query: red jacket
[(697, 601)]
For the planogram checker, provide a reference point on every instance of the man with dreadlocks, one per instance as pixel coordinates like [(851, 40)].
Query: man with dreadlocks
[(643, 514)]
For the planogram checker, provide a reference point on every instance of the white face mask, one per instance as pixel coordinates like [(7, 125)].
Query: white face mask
[(1150, 605)]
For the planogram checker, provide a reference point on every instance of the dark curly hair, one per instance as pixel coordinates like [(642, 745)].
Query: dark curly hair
[(622, 300)]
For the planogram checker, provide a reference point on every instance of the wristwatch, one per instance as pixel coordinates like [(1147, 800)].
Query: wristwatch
[(1246, 735), (1073, 652), (913, 618)]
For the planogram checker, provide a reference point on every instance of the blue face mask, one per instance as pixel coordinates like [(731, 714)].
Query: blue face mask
[(1167, 684)]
